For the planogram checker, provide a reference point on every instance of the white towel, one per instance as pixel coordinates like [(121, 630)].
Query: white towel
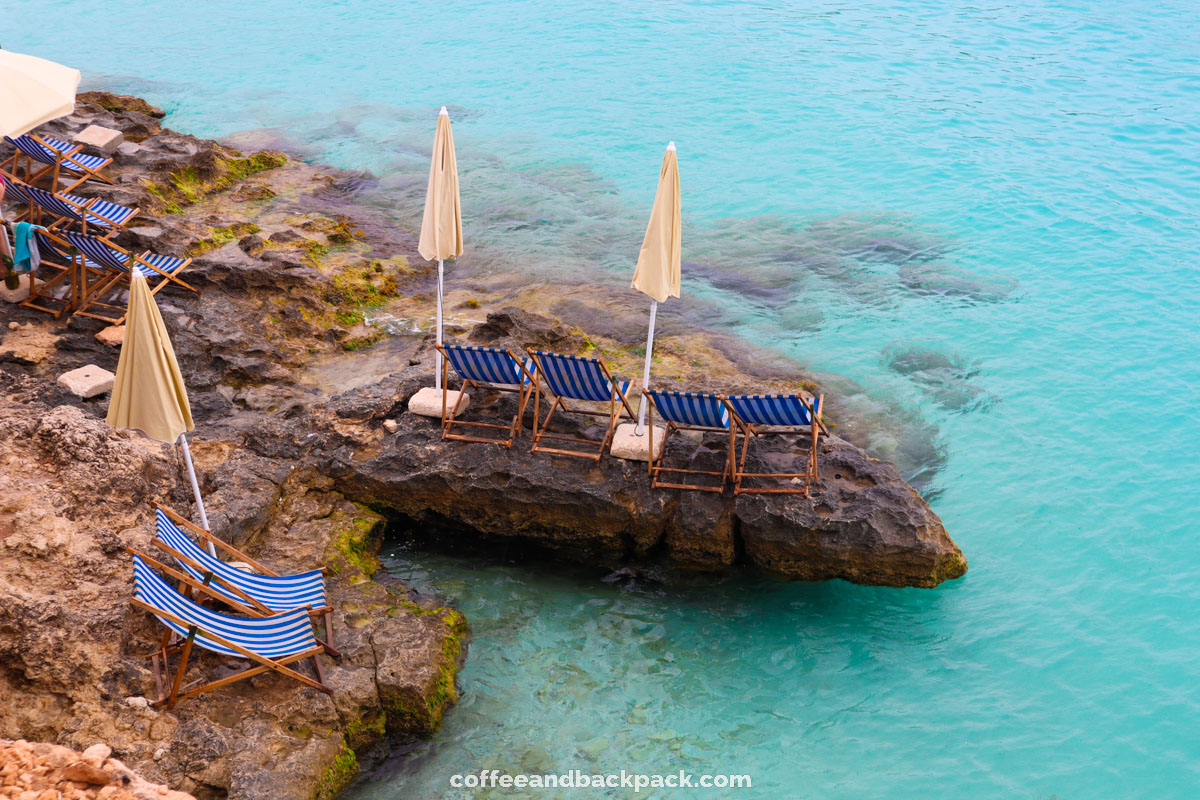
[(5, 246)]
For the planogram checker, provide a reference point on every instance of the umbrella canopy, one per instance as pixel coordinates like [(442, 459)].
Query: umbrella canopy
[(441, 227), (658, 272), (148, 393), (32, 91), (658, 266)]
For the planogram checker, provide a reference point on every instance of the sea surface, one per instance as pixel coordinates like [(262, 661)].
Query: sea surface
[(982, 214)]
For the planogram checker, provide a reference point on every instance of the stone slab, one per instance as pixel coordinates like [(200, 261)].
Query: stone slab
[(428, 402), (97, 137), (21, 293), (88, 381), (628, 445), (112, 336)]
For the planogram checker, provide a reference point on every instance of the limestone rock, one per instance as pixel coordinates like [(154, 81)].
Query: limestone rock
[(88, 381), (21, 293), (86, 773), (628, 445), (28, 344), (119, 103), (112, 336), (101, 139), (429, 402), (97, 754)]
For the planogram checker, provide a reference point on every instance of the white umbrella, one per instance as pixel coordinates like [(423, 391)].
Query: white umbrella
[(441, 225), (148, 393), (32, 91), (658, 266)]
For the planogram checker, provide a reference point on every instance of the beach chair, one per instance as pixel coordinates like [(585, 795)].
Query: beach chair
[(580, 379), (112, 266), (58, 158), (258, 594), (688, 411), (14, 192), (270, 643), (780, 415), (70, 209), (58, 293), (486, 368)]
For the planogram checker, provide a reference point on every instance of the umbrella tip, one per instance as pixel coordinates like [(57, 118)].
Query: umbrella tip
[(671, 146), (443, 112)]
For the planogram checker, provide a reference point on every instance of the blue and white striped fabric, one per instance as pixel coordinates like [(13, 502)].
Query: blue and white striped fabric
[(691, 408), (14, 190), (487, 365), (102, 212), (270, 637), (278, 593), (102, 254), (774, 409), (50, 250), (576, 377), (54, 149), (110, 213)]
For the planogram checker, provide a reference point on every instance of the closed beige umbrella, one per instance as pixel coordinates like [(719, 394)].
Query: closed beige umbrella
[(148, 393), (32, 91), (658, 267), (441, 226)]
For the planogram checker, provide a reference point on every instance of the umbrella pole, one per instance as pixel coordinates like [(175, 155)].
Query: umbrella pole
[(187, 459), (646, 370), (437, 372)]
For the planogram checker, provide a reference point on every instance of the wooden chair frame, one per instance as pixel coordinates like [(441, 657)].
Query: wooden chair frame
[(160, 664), (11, 165), (109, 278), (40, 297), (450, 415), (84, 211), (85, 173), (248, 605), (810, 471), (614, 415), (656, 469)]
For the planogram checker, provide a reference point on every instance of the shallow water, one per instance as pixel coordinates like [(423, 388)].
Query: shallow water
[(984, 213)]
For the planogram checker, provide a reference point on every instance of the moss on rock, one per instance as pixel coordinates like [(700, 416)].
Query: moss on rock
[(421, 716), (338, 775), (192, 184), (219, 237), (353, 544)]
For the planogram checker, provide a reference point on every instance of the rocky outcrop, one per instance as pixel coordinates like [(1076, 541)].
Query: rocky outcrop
[(74, 494), (39, 771), (862, 524)]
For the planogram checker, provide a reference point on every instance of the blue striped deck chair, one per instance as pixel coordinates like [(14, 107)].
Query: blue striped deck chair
[(486, 368), (580, 379), (71, 209), (257, 594), (777, 414), (270, 643), (14, 193), (58, 158), (118, 266), (688, 411)]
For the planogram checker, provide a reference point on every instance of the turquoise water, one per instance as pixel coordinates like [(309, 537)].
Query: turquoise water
[(984, 216)]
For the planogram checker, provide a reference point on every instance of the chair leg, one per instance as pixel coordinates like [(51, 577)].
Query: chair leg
[(317, 667), (183, 661)]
